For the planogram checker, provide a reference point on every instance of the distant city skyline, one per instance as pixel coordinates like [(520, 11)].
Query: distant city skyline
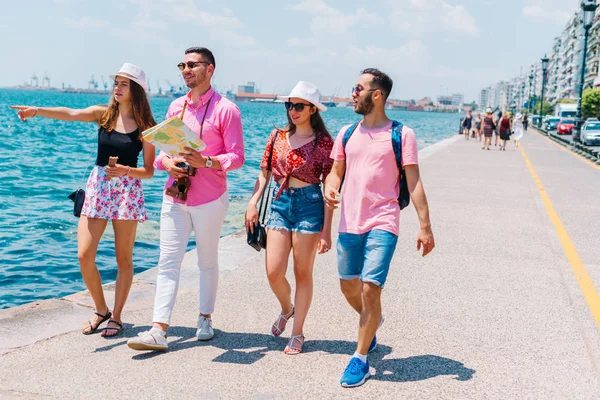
[(439, 47)]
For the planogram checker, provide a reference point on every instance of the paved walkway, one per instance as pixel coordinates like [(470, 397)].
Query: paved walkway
[(495, 312)]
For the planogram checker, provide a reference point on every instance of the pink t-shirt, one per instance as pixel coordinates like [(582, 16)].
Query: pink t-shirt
[(371, 186)]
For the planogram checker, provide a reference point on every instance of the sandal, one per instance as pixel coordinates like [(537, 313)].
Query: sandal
[(93, 328), (279, 331), (119, 328), (290, 349)]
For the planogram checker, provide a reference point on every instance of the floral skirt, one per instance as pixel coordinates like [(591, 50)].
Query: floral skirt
[(118, 198)]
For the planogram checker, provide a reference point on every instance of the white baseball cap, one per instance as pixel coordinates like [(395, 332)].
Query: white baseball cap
[(306, 91), (133, 72)]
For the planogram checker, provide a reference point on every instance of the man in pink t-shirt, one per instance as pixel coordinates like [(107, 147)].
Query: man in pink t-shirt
[(370, 212)]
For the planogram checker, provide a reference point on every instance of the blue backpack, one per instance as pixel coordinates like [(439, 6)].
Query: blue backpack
[(404, 197)]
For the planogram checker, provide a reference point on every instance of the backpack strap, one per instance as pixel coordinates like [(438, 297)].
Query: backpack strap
[(345, 139), (397, 143), (404, 195), (349, 133)]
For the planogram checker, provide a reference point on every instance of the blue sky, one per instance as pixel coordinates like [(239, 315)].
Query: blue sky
[(429, 47)]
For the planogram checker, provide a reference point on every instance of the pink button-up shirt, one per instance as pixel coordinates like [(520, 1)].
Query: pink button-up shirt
[(224, 140)]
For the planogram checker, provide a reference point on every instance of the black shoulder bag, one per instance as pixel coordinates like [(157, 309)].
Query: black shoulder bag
[(78, 198), (258, 239)]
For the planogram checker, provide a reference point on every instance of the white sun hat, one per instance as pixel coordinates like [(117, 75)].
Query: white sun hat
[(519, 116), (306, 91), (133, 72), (488, 110)]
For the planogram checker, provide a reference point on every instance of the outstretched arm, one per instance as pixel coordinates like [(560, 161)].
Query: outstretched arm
[(417, 195), (90, 114)]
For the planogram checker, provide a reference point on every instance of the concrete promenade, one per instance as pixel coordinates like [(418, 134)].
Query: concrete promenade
[(499, 310)]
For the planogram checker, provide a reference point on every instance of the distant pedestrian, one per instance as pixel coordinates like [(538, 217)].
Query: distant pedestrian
[(497, 131), (518, 126), (504, 127), (198, 204), (370, 210), (525, 121), (478, 133), (488, 128), (467, 124), (112, 193), (298, 222)]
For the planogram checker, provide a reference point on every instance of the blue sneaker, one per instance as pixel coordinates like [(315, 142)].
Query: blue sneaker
[(373, 344), (356, 373)]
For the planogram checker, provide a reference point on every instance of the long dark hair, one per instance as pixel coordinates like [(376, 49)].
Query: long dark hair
[(316, 122), (142, 113)]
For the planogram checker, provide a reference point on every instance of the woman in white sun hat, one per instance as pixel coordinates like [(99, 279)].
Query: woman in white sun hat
[(298, 221), (518, 128), (112, 192)]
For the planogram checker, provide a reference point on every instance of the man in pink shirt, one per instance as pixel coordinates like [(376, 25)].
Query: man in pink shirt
[(217, 121), (370, 219)]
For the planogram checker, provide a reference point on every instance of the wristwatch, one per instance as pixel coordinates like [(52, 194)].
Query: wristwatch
[(208, 162)]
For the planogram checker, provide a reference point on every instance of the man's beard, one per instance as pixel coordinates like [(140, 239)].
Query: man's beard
[(365, 107), (196, 82)]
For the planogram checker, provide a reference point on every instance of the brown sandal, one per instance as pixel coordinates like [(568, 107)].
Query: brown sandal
[(119, 328), (93, 328)]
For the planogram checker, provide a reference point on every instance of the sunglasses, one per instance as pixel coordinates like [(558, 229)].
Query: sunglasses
[(190, 64), (357, 90), (299, 107)]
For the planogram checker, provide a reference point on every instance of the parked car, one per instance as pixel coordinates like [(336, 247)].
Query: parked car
[(590, 133), (551, 123), (565, 126)]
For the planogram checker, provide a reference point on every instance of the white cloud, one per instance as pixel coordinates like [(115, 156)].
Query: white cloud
[(86, 22), (417, 16), (329, 20), (555, 11), (316, 7)]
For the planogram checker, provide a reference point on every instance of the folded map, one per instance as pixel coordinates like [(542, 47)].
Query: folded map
[(172, 135)]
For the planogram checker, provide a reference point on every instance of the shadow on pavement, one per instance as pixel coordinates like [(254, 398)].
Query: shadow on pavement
[(247, 348)]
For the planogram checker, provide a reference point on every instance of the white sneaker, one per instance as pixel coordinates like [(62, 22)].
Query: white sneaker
[(154, 339), (205, 330)]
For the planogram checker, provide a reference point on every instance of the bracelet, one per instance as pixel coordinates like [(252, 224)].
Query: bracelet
[(36, 111), (128, 170)]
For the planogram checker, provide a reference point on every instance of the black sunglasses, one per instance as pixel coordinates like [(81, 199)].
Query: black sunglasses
[(357, 90), (299, 107), (190, 64)]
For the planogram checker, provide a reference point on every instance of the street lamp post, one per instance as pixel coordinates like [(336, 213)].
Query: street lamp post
[(545, 61), (588, 9), (530, 96)]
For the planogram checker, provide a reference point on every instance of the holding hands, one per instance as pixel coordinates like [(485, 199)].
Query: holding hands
[(332, 197)]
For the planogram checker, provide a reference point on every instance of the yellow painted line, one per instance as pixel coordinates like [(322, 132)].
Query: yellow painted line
[(563, 148), (581, 274)]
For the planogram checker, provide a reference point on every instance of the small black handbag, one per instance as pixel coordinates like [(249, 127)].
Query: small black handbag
[(258, 239), (78, 198)]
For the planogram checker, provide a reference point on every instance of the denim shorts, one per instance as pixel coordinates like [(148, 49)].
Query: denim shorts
[(297, 210), (366, 256)]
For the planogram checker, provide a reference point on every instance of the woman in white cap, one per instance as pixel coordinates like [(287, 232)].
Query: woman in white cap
[(112, 192), (298, 219)]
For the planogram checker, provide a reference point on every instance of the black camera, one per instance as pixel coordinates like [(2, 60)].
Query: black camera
[(191, 171)]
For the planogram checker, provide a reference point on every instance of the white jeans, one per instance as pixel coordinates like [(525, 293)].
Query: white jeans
[(177, 221)]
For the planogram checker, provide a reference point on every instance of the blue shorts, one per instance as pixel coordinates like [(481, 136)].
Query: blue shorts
[(297, 210), (366, 256)]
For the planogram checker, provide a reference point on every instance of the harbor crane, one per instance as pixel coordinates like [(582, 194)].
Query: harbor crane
[(46, 81), (104, 83), (34, 80), (93, 83)]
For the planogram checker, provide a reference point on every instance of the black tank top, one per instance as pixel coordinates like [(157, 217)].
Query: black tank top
[(127, 146)]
